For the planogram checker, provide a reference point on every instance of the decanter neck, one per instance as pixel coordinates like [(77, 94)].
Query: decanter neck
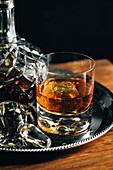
[(7, 23)]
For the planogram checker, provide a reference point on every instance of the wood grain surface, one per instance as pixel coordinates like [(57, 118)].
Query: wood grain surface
[(95, 155)]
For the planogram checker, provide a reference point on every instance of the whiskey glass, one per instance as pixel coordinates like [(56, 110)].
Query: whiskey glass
[(64, 92)]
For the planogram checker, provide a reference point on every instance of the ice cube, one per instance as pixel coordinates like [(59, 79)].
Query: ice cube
[(11, 115), (56, 88), (15, 132), (34, 136)]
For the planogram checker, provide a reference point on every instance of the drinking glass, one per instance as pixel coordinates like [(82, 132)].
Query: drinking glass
[(64, 92)]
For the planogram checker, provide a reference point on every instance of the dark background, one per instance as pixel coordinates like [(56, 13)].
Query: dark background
[(84, 26)]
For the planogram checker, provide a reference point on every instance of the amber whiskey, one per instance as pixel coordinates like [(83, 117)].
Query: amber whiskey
[(64, 95)]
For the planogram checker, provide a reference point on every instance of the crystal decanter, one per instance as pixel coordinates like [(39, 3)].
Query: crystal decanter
[(17, 60)]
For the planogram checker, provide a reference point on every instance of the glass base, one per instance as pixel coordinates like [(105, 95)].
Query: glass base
[(64, 124)]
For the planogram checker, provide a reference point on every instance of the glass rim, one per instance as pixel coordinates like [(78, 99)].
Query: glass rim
[(84, 55)]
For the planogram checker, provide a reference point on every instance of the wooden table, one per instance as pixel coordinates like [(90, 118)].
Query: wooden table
[(97, 154)]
